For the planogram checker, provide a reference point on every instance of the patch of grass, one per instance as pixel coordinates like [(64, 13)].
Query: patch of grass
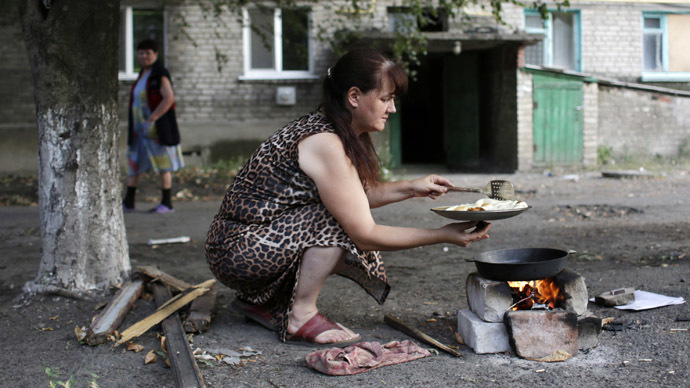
[(55, 380)]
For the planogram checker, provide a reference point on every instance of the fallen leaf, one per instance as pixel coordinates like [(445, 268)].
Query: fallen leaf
[(54, 318), (163, 343), (431, 320), (458, 337), (80, 332), (135, 347), (150, 357), (45, 329)]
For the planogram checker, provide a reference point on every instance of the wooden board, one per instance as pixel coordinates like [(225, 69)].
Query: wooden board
[(185, 370), (112, 315), (199, 318)]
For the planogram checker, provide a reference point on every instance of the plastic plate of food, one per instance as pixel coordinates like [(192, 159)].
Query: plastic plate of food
[(483, 210)]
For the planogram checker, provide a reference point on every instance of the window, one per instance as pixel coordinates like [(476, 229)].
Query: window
[(277, 44), (401, 19), (136, 25), (665, 48), (561, 45)]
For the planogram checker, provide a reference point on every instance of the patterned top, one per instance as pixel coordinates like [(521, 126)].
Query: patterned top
[(271, 213)]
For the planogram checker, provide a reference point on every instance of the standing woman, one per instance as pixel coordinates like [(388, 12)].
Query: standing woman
[(299, 210), (153, 141)]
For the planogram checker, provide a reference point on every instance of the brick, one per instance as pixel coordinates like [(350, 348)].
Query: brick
[(588, 330), (543, 335), (574, 289)]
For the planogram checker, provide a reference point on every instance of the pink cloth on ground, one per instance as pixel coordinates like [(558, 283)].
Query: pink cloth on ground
[(364, 356)]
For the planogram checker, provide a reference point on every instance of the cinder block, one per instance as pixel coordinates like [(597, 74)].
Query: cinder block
[(482, 337), (488, 299)]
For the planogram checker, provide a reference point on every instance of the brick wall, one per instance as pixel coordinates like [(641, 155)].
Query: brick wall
[(611, 40), (642, 122)]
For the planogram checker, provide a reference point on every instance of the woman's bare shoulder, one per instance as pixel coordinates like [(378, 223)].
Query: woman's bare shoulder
[(323, 142)]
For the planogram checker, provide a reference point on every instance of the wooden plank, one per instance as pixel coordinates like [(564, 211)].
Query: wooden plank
[(199, 317), (164, 311), (185, 370), (112, 315), (396, 323), (156, 274)]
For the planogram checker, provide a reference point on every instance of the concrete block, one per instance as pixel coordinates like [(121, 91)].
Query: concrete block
[(543, 335), (482, 337), (489, 299)]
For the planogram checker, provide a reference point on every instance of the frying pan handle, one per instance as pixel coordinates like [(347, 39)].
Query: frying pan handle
[(463, 189)]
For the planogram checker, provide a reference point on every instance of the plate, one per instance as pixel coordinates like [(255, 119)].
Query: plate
[(486, 215)]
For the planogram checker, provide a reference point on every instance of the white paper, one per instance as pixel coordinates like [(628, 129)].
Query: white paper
[(174, 240), (645, 300)]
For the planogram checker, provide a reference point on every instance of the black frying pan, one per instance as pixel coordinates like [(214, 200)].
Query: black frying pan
[(521, 263)]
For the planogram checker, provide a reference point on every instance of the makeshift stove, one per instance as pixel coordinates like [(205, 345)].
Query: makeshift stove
[(542, 320)]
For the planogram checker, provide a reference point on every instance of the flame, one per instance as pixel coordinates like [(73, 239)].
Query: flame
[(545, 291)]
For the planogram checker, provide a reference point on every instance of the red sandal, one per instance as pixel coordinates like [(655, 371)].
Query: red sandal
[(306, 335), (255, 313)]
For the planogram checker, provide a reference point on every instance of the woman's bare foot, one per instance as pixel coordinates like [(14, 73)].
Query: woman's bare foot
[(295, 323)]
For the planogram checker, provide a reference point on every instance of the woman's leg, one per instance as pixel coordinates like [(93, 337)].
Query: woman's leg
[(166, 180), (166, 185), (132, 183), (317, 264)]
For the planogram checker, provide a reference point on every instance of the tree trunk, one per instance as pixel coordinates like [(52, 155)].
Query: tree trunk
[(73, 51)]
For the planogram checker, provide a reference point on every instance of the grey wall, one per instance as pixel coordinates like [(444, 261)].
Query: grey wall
[(642, 122)]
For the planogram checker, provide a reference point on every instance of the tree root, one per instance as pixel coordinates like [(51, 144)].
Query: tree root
[(48, 289)]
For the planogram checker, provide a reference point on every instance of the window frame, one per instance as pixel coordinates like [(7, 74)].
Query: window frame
[(130, 53), (663, 75), (547, 30), (277, 73)]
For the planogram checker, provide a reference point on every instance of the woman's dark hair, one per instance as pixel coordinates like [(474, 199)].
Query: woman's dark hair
[(366, 69), (148, 44)]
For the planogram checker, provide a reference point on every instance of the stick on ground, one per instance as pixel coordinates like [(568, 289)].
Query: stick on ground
[(169, 307), (156, 274), (396, 323)]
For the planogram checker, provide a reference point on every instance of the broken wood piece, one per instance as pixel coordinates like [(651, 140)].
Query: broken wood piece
[(199, 317), (110, 318), (185, 369), (156, 274), (163, 311), (396, 323)]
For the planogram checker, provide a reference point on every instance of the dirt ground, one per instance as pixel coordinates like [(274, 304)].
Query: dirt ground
[(627, 233)]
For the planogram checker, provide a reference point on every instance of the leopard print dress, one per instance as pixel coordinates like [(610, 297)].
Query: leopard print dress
[(270, 215)]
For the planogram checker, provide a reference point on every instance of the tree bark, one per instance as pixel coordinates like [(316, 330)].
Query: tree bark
[(73, 51)]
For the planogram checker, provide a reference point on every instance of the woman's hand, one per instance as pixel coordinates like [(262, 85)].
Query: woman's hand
[(458, 233), (432, 186)]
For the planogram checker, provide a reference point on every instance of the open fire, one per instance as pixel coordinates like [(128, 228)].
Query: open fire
[(527, 295)]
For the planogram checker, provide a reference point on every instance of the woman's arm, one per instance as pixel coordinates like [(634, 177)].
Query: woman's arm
[(323, 159), (432, 186), (166, 102)]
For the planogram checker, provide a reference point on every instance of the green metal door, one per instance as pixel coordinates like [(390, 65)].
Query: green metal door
[(558, 120)]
